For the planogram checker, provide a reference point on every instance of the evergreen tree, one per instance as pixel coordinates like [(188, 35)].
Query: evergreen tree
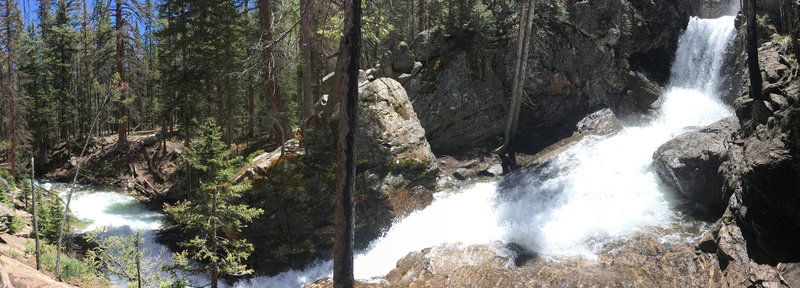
[(211, 209), (39, 94), (15, 104), (60, 50)]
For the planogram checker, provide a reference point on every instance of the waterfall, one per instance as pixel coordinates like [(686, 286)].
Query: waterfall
[(598, 190)]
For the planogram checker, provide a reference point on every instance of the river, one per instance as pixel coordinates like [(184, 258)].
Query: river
[(598, 190)]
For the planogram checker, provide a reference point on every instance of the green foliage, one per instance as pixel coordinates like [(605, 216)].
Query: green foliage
[(6, 175), (483, 17), (116, 256), (211, 209), (50, 211), (16, 225), (72, 269), (563, 14), (763, 20)]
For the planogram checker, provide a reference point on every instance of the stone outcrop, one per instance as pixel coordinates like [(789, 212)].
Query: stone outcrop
[(588, 55), (755, 241), (690, 162), (6, 215), (295, 186), (641, 260)]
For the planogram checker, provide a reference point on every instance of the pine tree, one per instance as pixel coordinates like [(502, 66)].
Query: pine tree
[(16, 104), (212, 209), (60, 50)]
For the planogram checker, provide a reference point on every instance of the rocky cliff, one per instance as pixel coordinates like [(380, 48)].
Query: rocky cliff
[(586, 55), (754, 168)]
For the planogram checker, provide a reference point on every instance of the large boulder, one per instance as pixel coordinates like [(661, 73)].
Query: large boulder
[(691, 161), (396, 174)]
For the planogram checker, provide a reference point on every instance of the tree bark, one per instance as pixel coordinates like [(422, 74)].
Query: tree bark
[(251, 108), (752, 50), (265, 18), (421, 16), (525, 27), (346, 162), (305, 47), (215, 257), (35, 218), (122, 129)]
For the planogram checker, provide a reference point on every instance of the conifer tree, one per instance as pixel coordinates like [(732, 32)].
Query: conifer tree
[(212, 209)]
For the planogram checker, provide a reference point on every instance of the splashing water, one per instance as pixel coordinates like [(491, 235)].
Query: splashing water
[(599, 189)]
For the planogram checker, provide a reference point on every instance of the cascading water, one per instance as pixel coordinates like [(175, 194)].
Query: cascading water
[(599, 189), (120, 213)]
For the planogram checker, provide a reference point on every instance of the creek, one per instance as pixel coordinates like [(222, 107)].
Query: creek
[(600, 189)]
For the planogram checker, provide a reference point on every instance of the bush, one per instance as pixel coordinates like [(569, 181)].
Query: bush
[(16, 225)]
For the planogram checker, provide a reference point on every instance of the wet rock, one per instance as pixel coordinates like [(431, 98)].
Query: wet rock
[(464, 174), (690, 162), (640, 97), (601, 122), (495, 170)]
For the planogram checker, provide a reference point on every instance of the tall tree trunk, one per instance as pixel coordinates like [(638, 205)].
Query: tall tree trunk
[(214, 258), (265, 17), (421, 16), (523, 44), (10, 85), (122, 129), (65, 215), (251, 108), (752, 50), (345, 160), (305, 47), (35, 218)]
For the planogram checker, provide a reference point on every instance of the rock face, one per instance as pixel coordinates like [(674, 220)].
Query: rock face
[(587, 55), (756, 238), (396, 174), (6, 215), (690, 162), (640, 261)]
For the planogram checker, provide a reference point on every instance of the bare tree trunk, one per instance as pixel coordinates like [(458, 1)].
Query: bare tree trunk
[(251, 109), (752, 50), (138, 261), (526, 25), (72, 187), (35, 217), (265, 17), (305, 47), (345, 160), (122, 129), (421, 16), (215, 257)]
